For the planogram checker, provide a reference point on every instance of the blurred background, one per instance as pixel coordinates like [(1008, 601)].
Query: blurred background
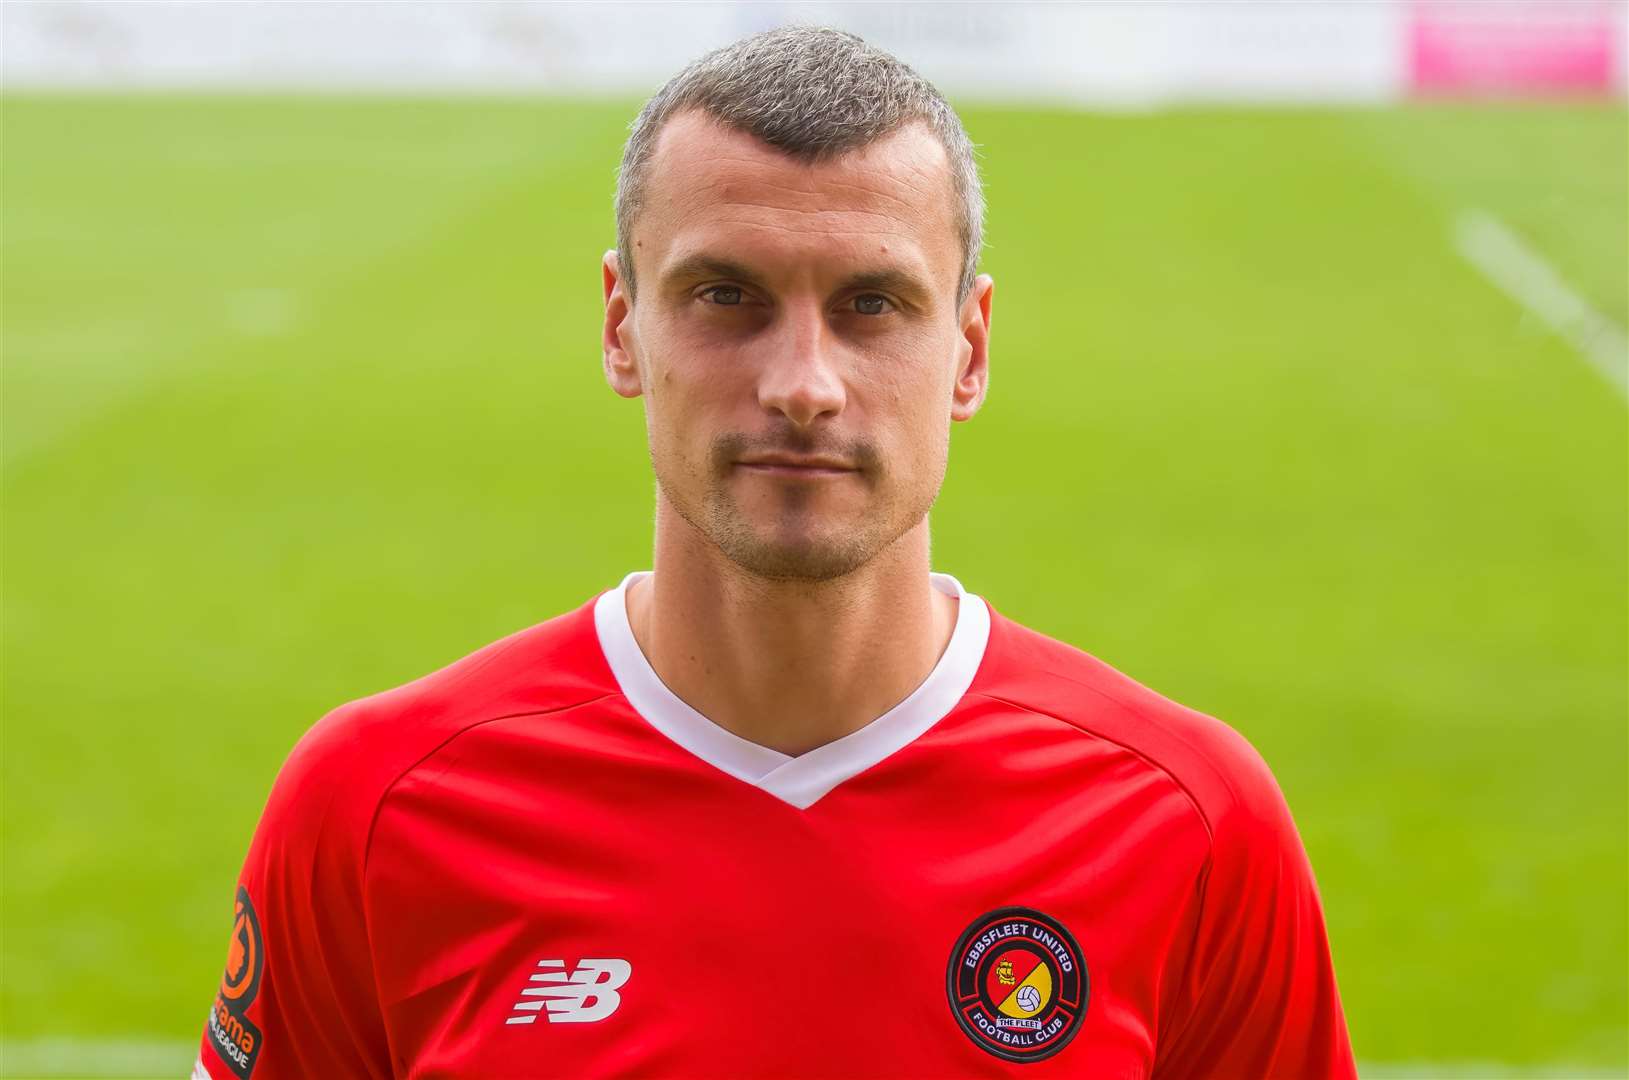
[(1308, 410)]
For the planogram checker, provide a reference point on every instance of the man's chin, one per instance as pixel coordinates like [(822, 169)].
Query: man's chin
[(805, 561)]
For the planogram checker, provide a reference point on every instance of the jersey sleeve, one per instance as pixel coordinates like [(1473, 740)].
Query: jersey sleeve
[(297, 997), (1258, 999)]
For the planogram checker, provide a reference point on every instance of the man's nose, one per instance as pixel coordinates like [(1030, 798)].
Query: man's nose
[(800, 376)]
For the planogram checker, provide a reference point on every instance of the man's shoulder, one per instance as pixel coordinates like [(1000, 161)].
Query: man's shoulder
[(343, 766), (1222, 774)]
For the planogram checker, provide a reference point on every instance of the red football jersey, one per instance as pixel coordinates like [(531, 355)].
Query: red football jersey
[(541, 862)]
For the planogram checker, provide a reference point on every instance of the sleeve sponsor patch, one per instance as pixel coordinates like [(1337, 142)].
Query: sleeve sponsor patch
[(234, 1038)]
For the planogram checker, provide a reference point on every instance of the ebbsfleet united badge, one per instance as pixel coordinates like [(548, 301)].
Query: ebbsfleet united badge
[(1017, 984)]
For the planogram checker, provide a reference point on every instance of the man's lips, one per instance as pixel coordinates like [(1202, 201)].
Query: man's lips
[(792, 465)]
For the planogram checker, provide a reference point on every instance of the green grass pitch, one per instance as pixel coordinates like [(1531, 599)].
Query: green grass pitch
[(302, 399)]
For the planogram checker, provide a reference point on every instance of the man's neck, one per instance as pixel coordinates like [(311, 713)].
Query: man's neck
[(788, 665)]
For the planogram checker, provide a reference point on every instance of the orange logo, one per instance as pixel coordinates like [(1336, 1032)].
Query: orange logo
[(234, 1037), (244, 954)]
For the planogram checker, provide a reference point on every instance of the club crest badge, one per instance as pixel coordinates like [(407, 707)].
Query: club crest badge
[(1017, 984)]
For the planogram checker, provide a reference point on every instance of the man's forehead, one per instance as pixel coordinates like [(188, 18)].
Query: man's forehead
[(704, 174), (693, 140)]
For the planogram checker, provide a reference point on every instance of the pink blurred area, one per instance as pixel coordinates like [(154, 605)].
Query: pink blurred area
[(1514, 48)]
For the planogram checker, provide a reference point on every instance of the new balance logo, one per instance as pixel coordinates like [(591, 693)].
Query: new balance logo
[(586, 994)]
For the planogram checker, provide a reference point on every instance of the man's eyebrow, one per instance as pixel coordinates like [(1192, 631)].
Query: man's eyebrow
[(890, 279), (702, 265)]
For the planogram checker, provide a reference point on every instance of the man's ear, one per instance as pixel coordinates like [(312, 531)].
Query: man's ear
[(973, 350), (621, 370)]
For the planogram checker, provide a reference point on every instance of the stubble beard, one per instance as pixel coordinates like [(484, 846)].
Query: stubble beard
[(798, 545)]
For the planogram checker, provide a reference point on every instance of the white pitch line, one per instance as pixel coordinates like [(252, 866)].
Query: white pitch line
[(62, 1057), (1523, 274)]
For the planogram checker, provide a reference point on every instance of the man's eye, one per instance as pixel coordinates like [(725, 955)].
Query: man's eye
[(723, 294), (871, 304)]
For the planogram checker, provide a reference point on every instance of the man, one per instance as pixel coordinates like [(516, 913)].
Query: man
[(790, 805)]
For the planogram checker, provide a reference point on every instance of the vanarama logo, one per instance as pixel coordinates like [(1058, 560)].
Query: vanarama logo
[(230, 1032), (1017, 984)]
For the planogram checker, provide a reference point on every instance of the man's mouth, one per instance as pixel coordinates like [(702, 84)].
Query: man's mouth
[(795, 465)]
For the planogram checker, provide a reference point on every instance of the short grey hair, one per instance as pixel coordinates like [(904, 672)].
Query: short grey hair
[(811, 92)]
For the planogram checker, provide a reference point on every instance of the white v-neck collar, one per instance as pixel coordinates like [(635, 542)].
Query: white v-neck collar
[(803, 779)]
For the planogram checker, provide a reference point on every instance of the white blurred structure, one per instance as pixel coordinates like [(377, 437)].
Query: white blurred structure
[(1106, 53)]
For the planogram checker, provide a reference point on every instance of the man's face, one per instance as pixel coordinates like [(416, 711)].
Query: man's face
[(798, 342)]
